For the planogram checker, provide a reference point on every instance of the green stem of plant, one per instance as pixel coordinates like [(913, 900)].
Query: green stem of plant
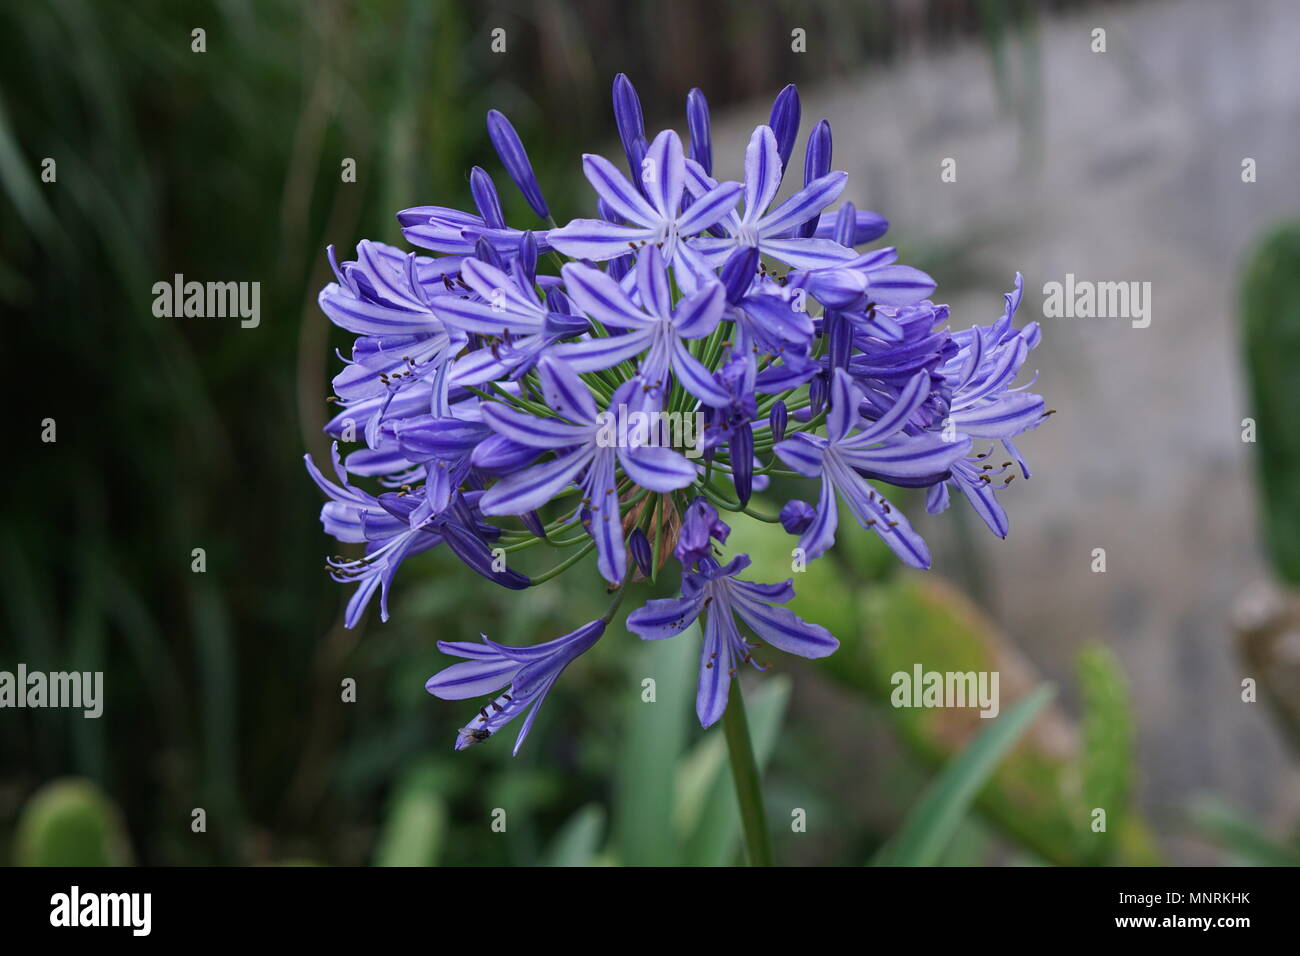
[(744, 773)]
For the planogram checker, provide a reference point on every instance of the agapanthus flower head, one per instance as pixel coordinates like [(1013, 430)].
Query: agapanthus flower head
[(619, 383)]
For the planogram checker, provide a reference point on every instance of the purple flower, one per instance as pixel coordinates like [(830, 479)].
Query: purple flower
[(771, 232), (492, 402), (506, 311), (385, 524), (654, 326), (840, 458), (700, 527), (714, 592), (983, 404), (583, 453), (529, 673), (656, 217)]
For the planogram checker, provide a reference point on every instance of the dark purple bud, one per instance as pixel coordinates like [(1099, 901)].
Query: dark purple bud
[(817, 394), (846, 225), (496, 455), (515, 159), (475, 554), (738, 272), (527, 260), (796, 516), (608, 214), (415, 216), (840, 333), (485, 196), (533, 522), (557, 301), (697, 123), (785, 122), (620, 267), (484, 251), (741, 447), (631, 125), (777, 419), (816, 164), (641, 554), (868, 227)]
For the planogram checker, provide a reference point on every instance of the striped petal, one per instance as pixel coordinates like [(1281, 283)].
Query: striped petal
[(597, 239), (613, 187), (819, 537), (899, 285), (530, 489), (762, 173), (600, 353), (715, 665), (698, 314), (664, 617), (783, 629), (526, 429), (606, 526), (663, 174), (803, 453), (695, 378), (804, 204), (599, 296), (807, 253), (370, 318), (652, 283), (657, 468), (709, 208), (468, 679), (908, 457), (564, 392), (912, 397)]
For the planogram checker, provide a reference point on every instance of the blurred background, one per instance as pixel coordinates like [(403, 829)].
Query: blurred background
[(223, 687)]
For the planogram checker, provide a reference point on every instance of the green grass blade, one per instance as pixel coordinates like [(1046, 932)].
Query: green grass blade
[(578, 842), (931, 824), (655, 737)]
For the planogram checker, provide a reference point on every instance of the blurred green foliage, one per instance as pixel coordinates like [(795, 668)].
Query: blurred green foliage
[(70, 823), (1270, 313)]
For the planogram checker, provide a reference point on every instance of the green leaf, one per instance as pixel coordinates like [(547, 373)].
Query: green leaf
[(415, 826), (578, 842), (1107, 748), (655, 735), (929, 827), (708, 815), (1238, 835), (1270, 313)]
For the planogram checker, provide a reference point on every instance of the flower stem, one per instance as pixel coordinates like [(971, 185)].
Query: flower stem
[(744, 772)]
